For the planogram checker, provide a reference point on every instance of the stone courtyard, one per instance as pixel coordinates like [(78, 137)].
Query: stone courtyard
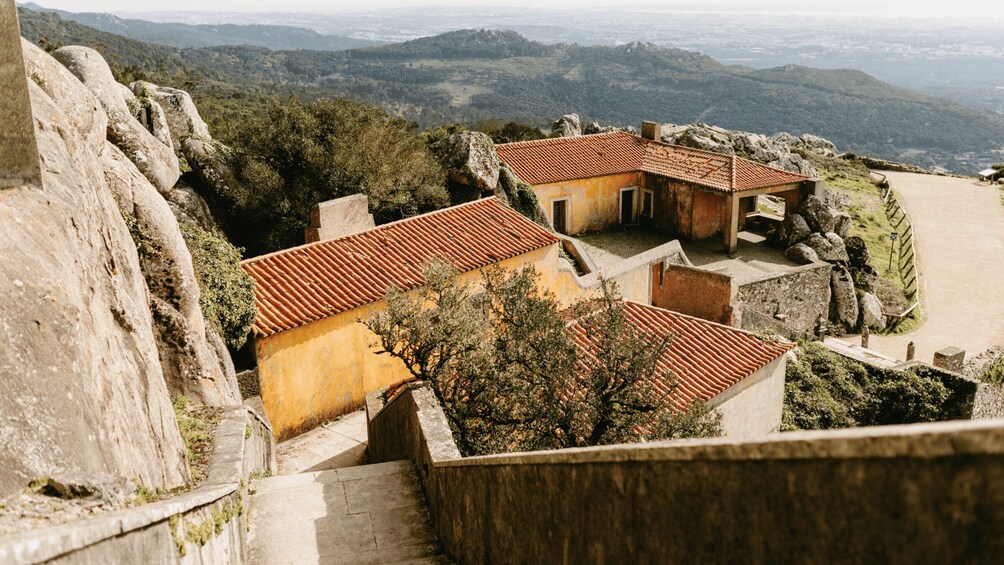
[(754, 259)]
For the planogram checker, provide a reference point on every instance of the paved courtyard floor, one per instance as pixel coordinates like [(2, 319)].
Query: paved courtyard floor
[(753, 260)]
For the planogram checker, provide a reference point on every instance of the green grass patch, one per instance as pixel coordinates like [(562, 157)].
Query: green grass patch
[(870, 223), (197, 425)]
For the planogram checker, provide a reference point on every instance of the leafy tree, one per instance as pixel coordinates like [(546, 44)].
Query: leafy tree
[(295, 155), (504, 365)]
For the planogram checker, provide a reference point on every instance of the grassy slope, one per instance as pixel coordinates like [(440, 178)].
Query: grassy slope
[(870, 224)]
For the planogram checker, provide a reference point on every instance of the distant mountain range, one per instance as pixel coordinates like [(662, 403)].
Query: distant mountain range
[(276, 37), (470, 75)]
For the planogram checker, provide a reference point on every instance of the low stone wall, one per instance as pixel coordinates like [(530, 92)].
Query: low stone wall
[(917, 493), (797, 298), (206, 525)]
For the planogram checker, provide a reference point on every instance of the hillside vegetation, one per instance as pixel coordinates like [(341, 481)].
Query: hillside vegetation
[(207, 35), (472, 75)]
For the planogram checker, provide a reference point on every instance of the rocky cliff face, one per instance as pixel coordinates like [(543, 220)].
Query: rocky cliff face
[(81, 384), (141, 168), (99, 313)]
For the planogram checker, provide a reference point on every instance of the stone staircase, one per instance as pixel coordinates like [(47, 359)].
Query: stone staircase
[(360, 515)]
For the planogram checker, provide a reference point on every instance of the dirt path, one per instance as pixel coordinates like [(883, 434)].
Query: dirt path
[(959, 227)]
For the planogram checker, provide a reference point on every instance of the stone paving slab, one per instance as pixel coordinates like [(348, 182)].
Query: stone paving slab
[(366, 514), (334, 445)]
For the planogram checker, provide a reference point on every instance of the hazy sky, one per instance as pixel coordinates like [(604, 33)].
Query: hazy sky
[(923, 8)]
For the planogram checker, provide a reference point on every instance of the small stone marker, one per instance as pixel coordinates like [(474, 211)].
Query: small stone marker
[(911, 350), (950, 359), (864, 337)]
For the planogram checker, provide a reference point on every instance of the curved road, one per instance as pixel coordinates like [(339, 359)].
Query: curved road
[(959, 226)]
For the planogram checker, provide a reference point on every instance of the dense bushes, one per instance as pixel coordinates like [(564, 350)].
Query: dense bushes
[(227, 292), (824, 390), (295, 154)]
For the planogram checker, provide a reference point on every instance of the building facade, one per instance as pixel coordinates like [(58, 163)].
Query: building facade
[(594, 182)]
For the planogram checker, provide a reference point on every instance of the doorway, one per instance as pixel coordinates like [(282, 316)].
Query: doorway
[(627, 206), (559, 216)]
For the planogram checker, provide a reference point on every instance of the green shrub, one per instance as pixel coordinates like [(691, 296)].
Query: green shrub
[(227, 292), (824, 390), (294, 155)]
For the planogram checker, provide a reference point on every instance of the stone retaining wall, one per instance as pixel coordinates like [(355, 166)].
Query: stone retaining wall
[(797, 298), (917, 493), (206, 525)]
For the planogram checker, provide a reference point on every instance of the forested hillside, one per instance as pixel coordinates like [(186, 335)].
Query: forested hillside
[(473, 75), (187, 35)]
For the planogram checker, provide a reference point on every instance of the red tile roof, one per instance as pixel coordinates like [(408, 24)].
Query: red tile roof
[(307, 283), (569, 158), (707, 358)]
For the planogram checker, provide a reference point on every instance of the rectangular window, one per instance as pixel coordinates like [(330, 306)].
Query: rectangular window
[(647, 203)]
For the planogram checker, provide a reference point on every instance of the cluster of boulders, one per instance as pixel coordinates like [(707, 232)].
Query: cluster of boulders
[(817, 232), (780, 150), (775, 150)]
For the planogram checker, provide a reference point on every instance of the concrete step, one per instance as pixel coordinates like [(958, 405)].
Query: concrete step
[(366, 514)]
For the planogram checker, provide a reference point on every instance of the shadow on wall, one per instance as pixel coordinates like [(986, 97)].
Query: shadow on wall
[(912, 493)]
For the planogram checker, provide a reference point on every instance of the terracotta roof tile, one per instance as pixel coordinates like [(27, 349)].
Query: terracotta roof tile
[(307, 283), (707, 358), (569, 158)]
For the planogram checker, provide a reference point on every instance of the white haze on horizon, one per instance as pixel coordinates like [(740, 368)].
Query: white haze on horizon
[(981, 9)]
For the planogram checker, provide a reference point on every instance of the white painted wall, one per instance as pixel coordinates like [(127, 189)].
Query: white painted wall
[(753, 406)]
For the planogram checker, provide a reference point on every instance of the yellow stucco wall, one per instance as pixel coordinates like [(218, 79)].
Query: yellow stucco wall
[(593, 203), (316, 372)]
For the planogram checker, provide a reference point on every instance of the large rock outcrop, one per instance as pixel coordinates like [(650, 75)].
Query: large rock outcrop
[(191, 365), (471, 163), (568, 125), (156, 161), (774, 151), (81, 383), (183, 118)]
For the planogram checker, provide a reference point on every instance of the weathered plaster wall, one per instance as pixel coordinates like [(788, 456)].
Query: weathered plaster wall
[(799, 297), (593, 203), (753, 407), (904, 494), (313, 373), (693, 291)]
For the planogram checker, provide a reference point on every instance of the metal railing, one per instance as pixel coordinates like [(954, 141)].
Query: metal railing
[(906, 259)]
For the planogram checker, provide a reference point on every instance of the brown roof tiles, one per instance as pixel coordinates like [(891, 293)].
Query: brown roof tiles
[(707, 358), (569, 158), (307, 283)]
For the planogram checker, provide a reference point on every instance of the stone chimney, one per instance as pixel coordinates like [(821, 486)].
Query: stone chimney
[(19, 162), (651, 130), (340, 217)]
